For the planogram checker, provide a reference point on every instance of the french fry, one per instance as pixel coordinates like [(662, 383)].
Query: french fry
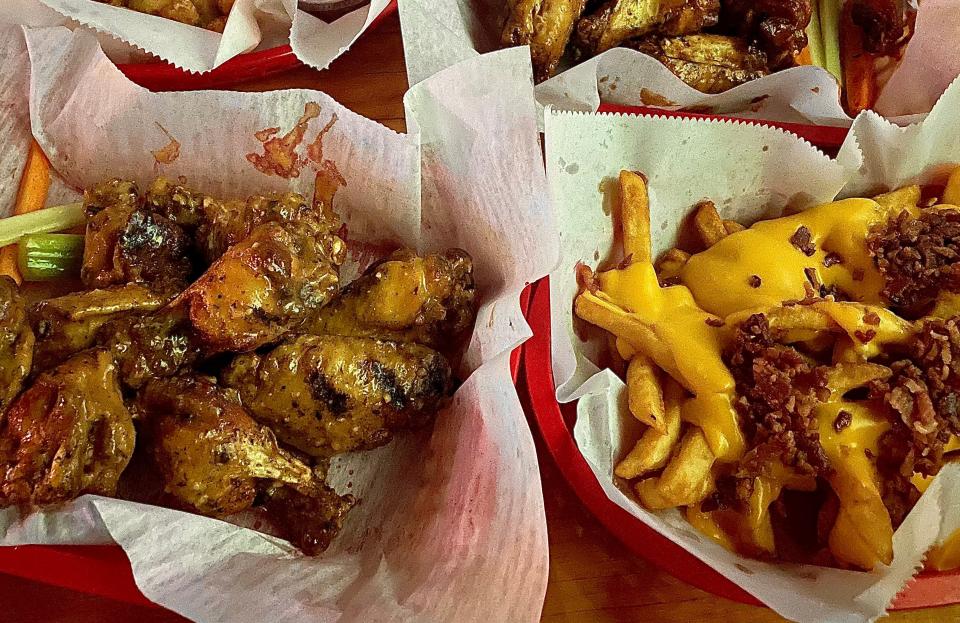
[(708, 224), (635, 216), (951, 194), (863, 533), (902, 198), (687, 479), (858, 71), (654, 447), (644, 393), (945, 556), (671, 263), (31, 196), (732, 227), (843, 377)]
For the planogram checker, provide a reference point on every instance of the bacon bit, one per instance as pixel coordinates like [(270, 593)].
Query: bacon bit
[(169, 152), (714, 322), (669, 282), (812, 277), (754, 281), (279, 153), (872, 318), (865, 336), (801, 239), (831, 259), (843, 420), (858, 274)]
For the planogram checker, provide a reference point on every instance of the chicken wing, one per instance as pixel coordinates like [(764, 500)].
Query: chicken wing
[(309, 521), (544, 25), (262, 287), (68, 324), (211, 454), (327, 395), (883, 23), (16, 342), (407, 298), (778, 27), (617, 21), (708, 63), (68, 434), (151, 346)]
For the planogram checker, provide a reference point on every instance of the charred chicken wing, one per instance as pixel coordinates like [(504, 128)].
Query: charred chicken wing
[(308, 520), (544, 25), (213, 457), (16, 342), (153, 346), (405, 298), (68, 324), (328, 394), (68, 434)]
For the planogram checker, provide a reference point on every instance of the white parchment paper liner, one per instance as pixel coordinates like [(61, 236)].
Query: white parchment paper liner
[(451, 524), (750, 172), (438, 33), (251, 24)]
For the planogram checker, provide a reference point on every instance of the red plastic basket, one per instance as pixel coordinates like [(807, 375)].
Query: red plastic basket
[(556, 421), (104, 570), (162, 76)]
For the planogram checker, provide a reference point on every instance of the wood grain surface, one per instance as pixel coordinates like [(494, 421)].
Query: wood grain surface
[(592, 577)]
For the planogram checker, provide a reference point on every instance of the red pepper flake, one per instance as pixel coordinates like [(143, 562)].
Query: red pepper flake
[(802, 240), (843, 420), (754, 281)]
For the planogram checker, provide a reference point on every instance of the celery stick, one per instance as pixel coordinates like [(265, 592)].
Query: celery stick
[(40, 222), (830, 30), (49, 256), (815, 37)]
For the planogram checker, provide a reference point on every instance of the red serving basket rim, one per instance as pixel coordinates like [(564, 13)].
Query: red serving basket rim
[(104, 570), (163, 76), (928, 589)]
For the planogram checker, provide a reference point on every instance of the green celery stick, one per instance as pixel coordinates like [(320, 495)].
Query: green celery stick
[(49, 256), (815, 37), (830, 30), (40, 222)]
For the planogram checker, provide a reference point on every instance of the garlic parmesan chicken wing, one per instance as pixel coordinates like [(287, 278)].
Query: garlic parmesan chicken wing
[(325, 395), (544, 25), (405, 298), (67, 434), (16, 342), (708, 63), (68, 324), (616, 21), (215, 460), (152, 346)]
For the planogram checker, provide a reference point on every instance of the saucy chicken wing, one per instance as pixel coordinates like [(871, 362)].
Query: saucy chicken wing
[(149, 346), (708, 63), (617, 21), (16, 342), (68, 434), (544, 25), (68, 324), (308, 520), (328, 394), (405, 298), (212, 455)]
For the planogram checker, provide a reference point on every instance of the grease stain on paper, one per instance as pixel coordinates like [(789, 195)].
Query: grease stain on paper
[(169, 152)]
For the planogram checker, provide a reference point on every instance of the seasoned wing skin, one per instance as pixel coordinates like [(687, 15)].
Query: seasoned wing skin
[(708, 63), (68, 434), (325, 395), (406, 298), (112, 192), (882, 22), (616, 21), (16, 342), (544, 25), (211, 454), (778, 27), (68, 324), (262, 287), (152, 346), (218, 224), (310, 522)]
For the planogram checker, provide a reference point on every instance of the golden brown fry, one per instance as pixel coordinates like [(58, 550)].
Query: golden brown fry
[(863, 532), (899, 199), (644, 393), (732, 227), (635, 216), (654, 447), (843, 377), (687, 479), (708, 224), (671, 263)]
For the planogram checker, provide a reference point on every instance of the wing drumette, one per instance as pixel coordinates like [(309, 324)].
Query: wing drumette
[(16, 342), (405, 298), (68, 434), (544, 25), (328, 394)]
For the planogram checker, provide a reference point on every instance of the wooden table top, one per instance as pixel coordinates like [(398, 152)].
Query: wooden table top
[(592, 577)]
